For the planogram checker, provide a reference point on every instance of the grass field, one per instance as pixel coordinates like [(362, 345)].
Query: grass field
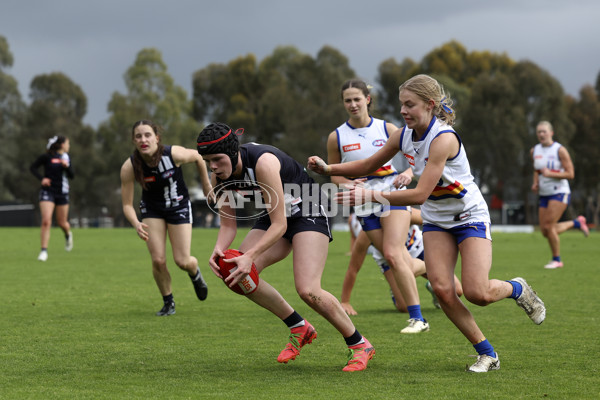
[(82, 326)]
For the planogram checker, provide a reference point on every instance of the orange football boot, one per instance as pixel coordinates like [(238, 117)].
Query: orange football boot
[(358, 356), (299, 336)]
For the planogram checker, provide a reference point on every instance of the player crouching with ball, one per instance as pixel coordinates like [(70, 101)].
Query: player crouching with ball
[(305, 232)]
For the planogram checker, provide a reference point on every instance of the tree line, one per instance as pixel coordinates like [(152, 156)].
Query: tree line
[(293, 100)]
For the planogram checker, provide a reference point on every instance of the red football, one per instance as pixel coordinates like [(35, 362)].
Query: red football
[(245, 286)]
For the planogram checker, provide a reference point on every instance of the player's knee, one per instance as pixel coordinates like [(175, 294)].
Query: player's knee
[(310, 296), (159, 263), (444, 294), (394, 258), (181, 262), (546, 229)]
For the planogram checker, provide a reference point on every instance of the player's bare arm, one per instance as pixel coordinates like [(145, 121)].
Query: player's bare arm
[(127, 190), (267, 173), (334, 157)]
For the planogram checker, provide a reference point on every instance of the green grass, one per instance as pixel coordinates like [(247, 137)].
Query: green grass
[(82, 326)]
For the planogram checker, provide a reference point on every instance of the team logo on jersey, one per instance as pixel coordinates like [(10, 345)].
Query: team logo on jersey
[(168, 174), (55, 161), (378, 142), (149, 179), (410, 159), (351, 147)]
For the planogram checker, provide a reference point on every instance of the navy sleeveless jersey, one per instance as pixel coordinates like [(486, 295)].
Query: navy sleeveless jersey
[(165, 187), (53, 169), (303, 196)]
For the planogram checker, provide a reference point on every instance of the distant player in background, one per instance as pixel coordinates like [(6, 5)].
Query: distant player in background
[(294, 222), (54, 193), (386, 226), (552, 168), (165, 206)]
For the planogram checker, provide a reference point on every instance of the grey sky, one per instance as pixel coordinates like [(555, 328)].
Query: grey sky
[(94, 42)]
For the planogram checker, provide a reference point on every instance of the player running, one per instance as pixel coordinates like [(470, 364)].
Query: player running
[(294, 221)]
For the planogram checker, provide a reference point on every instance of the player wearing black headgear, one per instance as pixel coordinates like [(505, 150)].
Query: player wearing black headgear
[(294, 220), (218, 138)]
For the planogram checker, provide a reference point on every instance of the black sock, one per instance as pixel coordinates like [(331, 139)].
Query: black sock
[(355, 339), (294, 320), (168, 298), (197, 275)]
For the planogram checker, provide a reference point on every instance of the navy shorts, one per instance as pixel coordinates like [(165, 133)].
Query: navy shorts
[(562, 197), (297, 225), (461, 232), (174, 216), (59, 199), (372, 222)]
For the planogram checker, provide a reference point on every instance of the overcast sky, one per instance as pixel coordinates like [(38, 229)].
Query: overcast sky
[(94, 42)]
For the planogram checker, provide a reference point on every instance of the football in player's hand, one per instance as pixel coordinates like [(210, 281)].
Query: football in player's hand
[(247, 285)]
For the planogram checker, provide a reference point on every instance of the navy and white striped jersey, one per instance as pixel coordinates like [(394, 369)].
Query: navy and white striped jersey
[(165, 187), (303, 196), (54, 170)]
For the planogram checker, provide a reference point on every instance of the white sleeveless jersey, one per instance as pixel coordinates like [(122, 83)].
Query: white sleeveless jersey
[(547, 157), (414, 242), (456, 199), (360, 143)]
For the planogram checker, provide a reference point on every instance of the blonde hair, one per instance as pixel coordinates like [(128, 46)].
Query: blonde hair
[(427, 88), (547, 124)]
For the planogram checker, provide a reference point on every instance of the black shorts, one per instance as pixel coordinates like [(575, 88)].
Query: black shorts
[(59, 199), (174, 216), (297, 225)]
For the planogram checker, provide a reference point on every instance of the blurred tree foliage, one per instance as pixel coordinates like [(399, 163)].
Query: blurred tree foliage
[(292, 100), (585, 114), (289, 100), (12, 122)]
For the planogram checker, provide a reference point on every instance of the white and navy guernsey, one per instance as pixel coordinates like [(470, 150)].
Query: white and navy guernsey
[(165, 188), (360, 143), (54, 170), (303, 196), (456, 199), (547, 157), (414, 242)]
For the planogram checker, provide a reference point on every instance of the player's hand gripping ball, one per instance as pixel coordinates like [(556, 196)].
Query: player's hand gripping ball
[(247, 285)]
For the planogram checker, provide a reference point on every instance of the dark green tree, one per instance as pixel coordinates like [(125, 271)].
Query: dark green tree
[(12, 119), (585, 114), (290, 99), (495, 133)]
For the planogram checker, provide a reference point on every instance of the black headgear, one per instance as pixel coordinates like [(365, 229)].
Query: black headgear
[(218, 138)]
